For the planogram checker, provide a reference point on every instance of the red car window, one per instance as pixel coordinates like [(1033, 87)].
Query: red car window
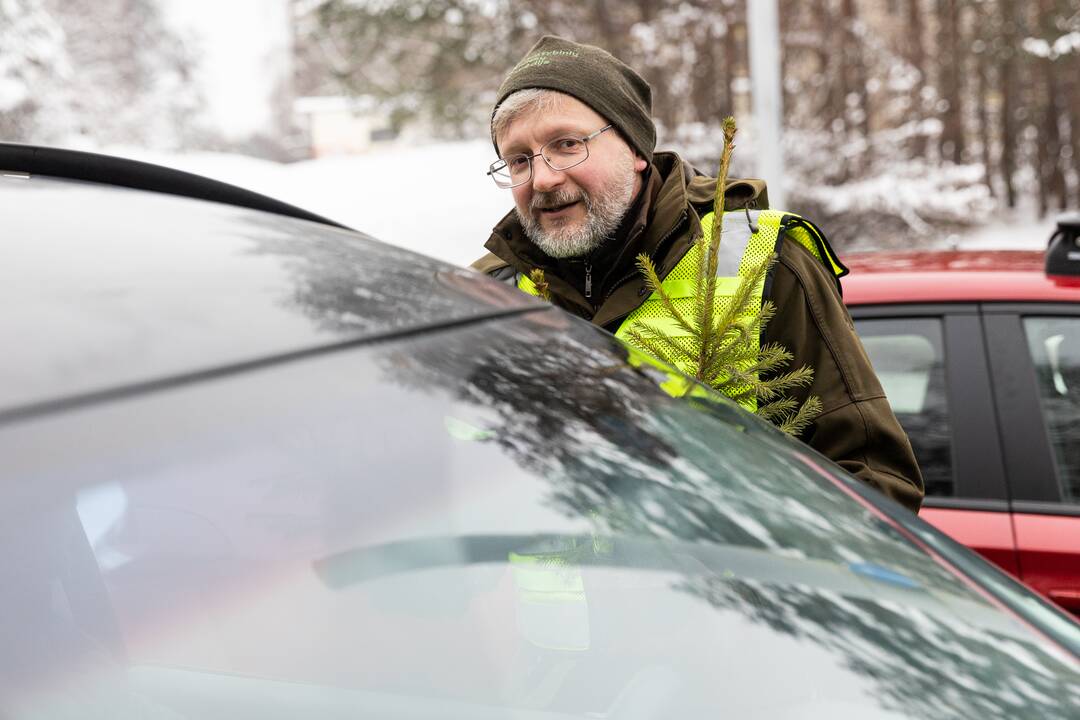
[(1054, 343)]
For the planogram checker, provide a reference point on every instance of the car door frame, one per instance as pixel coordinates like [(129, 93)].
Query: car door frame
[(1028, 452), (978, 473), (1044, 525)]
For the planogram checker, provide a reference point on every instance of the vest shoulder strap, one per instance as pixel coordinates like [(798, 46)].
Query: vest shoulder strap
[(813, 239), (759, 233)]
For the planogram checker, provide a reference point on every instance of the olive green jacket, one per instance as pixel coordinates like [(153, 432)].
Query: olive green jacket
[(856, 428)]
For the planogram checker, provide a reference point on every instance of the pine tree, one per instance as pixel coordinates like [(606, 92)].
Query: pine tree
[(720, 348), (34, 69)]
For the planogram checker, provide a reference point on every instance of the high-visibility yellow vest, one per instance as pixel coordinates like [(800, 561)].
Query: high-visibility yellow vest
[(749, 238)]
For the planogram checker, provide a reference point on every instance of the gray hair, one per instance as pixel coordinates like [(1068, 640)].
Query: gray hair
[(523, 101)]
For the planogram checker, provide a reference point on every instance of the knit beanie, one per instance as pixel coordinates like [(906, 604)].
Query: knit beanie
[(593, 76)]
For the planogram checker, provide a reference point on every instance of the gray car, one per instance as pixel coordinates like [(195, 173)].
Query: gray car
[(256, 465)]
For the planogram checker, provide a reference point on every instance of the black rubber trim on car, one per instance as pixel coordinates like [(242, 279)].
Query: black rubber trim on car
[(33, 410), (1033, 307), (901, 311), (975, 436), (962, 503), (1028, 453), (1028, 507), (121, 172)]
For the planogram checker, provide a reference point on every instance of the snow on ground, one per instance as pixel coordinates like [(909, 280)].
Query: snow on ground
[(436, 199), (1017, 229)]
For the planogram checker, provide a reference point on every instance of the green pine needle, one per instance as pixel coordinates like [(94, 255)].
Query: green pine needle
[(797, 423), (777, 409), (657, 344)]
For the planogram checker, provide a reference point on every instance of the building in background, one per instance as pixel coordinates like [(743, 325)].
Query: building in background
[(339, 125)]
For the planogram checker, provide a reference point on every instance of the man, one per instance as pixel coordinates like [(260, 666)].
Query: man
[(573, 129)]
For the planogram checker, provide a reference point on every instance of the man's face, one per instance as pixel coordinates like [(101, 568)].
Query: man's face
[(571, 212)]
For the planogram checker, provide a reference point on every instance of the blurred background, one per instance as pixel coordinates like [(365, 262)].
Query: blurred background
[(905, 123)]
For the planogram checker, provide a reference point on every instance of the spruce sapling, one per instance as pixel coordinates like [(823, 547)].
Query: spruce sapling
[(717, 339)]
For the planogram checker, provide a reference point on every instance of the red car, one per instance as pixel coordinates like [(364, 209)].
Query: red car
[(979, 354)]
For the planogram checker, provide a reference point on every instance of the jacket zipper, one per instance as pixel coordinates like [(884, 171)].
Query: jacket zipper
[(588, 280), (615, 286)]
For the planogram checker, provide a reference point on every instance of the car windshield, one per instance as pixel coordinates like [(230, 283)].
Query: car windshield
[(501, 519)]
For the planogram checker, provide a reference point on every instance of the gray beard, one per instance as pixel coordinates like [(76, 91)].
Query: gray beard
[(603, 213)]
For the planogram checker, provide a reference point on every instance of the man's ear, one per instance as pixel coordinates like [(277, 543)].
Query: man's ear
[(640, 163)]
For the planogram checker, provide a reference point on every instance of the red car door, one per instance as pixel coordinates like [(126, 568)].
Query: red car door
[(988, 533), (1035, 354), (1050, 556)]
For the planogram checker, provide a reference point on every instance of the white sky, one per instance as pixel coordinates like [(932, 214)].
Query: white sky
[(239, 46)]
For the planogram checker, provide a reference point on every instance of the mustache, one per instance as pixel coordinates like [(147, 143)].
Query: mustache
[(556, 198)]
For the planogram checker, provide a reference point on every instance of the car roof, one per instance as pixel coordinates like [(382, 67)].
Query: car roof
[(954, 276), (19, 160), (105, 287)]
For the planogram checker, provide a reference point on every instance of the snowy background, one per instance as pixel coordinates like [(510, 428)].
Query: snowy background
[(380, 193), (214, 86)]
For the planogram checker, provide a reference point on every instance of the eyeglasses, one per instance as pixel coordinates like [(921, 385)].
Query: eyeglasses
[(560, 154)]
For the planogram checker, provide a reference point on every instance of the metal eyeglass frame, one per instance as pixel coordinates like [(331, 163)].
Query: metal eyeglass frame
[(491, 170)]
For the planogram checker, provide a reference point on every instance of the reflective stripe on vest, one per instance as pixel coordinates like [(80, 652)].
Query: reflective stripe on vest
[(749, 239)]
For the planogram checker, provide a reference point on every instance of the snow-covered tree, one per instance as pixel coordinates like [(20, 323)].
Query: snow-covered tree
[(130, 78), (443, 59), (102, 71), (437, 59), (904, 119), (33, 66)]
